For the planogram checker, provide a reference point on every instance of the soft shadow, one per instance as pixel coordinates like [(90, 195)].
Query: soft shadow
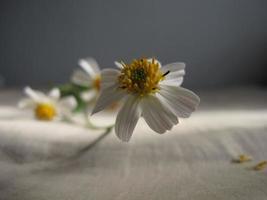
[(87, 148), (58, 165), (21, 156)]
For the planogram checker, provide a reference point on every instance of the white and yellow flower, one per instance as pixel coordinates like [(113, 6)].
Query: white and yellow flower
[(48, 107), (89, 77), (150, 91)]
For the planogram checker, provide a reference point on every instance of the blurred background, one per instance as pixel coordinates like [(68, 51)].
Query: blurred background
[(223, 42)]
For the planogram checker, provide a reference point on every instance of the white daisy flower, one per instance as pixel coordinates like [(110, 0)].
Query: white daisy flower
[(48, 107), (150, 91), (89, 77)]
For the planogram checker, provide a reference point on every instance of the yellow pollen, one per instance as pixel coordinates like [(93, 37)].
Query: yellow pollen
[(242, 158), (260, 166), (97, 82), (140, 77), (45, 111)]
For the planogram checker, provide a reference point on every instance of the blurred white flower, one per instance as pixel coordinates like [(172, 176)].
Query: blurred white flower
[(88, 76), (150, 91), (48, 107)]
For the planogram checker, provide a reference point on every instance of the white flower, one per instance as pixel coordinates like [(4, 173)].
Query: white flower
[(89, 77), (48, 107), (150, 91)]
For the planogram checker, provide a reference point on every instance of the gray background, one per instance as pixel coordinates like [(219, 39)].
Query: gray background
[(223, 42)]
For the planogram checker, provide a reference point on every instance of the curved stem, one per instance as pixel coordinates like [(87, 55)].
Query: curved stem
[(93, 143), (91, 125), (88, 123)]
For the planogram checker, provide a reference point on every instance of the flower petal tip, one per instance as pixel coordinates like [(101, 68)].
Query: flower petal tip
[(118, 65), (26, 89), (124, 139), (94, 111)]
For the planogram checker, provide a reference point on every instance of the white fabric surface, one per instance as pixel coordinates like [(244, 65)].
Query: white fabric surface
[(40, 160)]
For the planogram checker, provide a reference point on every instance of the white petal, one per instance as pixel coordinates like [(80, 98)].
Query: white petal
[(177, 66), (118, 64), (182, 101), (90, 66), (54, 93), (173, 82), (107, 97), (26, 103), (108, 77), (175, 76), (158, 117), (127, 118), (89, 95), (68, 103), (80, 77), (36, 96)]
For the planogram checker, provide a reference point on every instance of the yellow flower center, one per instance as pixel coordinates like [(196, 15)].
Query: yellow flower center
[(140, 77), (45, 111), (97, 82)]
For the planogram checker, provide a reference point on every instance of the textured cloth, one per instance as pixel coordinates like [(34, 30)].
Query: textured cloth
[(40, 160)]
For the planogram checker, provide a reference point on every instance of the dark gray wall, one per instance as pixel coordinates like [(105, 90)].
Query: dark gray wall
[(223, 42)]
